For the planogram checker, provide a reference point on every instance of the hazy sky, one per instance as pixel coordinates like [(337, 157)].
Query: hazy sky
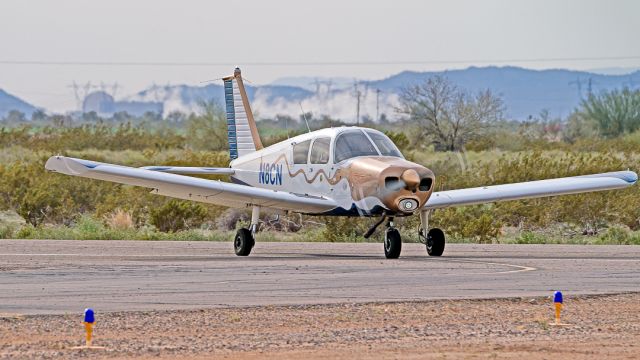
[(363, 39)]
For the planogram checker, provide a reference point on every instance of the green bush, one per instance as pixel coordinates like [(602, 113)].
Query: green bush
[(178, 215), (530, 237), (350, 229)]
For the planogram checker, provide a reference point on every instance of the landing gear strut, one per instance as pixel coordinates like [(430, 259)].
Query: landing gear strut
[(245, 238), (392, 241), (434, 239)]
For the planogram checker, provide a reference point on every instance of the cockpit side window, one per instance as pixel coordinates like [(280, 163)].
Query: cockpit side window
[(320, 151), (351, 144), (384, 144), (300, 152)]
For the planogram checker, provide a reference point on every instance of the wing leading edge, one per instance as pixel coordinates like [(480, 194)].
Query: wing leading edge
[(532, 189), (190, 188)]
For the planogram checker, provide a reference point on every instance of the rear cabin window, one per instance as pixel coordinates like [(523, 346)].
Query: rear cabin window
[(320, 151), (300, 152), (384, 144), (351, 144)]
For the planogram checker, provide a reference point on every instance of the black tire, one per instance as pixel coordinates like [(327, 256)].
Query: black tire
[(392, 244), (435, 242), (243, 242)]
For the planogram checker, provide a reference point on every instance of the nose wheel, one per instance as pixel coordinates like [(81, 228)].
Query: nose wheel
[(392, 242)]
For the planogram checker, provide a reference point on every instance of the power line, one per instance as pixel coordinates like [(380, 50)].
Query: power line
[(300, 63)]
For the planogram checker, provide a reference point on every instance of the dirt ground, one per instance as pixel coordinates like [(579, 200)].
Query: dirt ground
[(606, 326)]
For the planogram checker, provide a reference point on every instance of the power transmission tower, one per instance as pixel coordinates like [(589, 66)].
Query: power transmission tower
[(578, 84), (80, 92), (114, 89), (590, 84)]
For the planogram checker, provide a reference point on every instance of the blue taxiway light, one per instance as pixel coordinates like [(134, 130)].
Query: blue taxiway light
[(89, 316), (557, 297)]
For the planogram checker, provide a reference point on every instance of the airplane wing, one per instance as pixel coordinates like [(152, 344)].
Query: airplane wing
[(190, 188), (531, 189), (189, 170)]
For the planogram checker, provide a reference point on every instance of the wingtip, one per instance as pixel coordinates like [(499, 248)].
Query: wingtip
[(69, 166), (631, 177), (50, 165)]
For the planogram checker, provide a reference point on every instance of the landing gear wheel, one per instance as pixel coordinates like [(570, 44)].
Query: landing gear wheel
[(243, 242), (435, 242), (392, 244)]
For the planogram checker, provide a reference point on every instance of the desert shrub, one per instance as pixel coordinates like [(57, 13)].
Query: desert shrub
[(616, 235), (178, 215), (345, 228), (135, 201), (120, 219), (530, 237), (476, 223), (7, 231), (229, 218), (25, 232), (483, 228)]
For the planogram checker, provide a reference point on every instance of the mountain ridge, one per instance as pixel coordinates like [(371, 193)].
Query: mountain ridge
[(525, 92)]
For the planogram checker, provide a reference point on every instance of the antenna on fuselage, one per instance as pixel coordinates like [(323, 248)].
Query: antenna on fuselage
[(304, 116)]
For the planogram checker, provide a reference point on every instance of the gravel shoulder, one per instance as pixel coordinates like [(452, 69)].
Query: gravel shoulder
[(601, 326)]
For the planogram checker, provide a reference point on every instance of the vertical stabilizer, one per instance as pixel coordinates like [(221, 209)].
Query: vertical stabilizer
[(241, 127)]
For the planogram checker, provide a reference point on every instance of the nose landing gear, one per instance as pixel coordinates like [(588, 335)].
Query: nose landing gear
[(392, 241)]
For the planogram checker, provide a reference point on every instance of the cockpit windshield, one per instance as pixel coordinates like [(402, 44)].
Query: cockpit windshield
[(384, 144), (351, 144)]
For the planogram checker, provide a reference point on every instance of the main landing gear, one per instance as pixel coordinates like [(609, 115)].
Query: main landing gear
[(434, 240), (245, 238)]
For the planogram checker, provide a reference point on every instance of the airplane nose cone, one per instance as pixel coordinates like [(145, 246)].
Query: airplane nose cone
[(411, 179)]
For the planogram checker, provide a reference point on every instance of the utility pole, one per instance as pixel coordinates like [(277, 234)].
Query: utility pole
[(377, 105), (358, 94)]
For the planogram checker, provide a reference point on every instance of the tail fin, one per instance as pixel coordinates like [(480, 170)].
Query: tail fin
[(241, 127)]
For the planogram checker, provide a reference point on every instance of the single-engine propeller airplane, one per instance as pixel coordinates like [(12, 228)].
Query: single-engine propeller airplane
[(342, 171)]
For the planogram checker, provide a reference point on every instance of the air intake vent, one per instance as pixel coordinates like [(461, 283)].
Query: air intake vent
[(425, 184), (393, 183)]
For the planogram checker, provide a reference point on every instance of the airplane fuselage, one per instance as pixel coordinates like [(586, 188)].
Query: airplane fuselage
[(320, 164)]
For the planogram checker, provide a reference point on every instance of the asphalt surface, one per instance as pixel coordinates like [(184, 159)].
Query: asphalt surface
[(50, 276)]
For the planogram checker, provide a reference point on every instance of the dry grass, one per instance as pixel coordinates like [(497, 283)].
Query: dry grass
[(120, 220)]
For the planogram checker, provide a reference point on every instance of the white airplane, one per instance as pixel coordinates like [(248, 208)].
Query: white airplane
[(343, 171)]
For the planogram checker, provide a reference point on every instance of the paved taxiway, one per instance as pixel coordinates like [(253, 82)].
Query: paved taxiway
[(66, 276)]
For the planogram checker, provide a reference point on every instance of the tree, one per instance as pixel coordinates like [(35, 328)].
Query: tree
[(615, 112), (208, 130), (176, 117), (16, 117), (448, 116), (38, 115)]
